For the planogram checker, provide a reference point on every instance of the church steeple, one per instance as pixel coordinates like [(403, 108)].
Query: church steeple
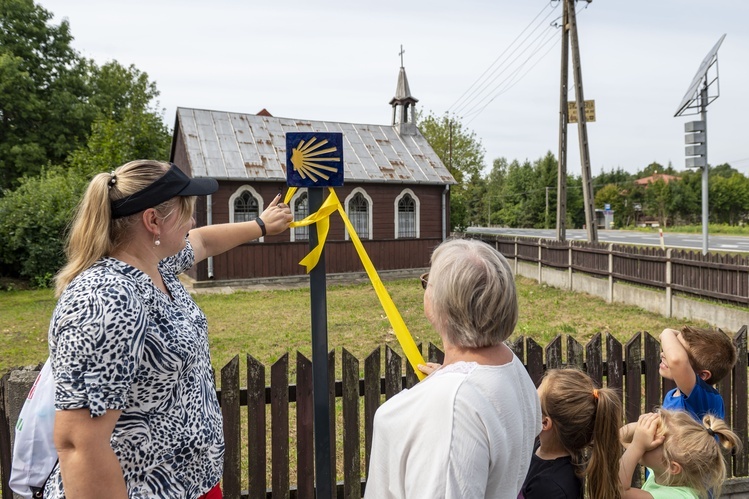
[(403, 102)]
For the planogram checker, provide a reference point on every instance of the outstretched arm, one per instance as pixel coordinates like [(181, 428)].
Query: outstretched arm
[(675, 356), (213, 240)]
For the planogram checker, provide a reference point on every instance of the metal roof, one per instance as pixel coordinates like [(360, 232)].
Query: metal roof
[(234, 146)]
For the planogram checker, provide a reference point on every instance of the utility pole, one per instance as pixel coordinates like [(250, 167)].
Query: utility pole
[(546, 222), (450, 143), (569, 34), (582, 128), (562, 167)]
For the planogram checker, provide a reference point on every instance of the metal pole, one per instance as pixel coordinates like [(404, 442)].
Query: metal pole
[(703, 115), (582, 128), (562, 167), (319, 315)]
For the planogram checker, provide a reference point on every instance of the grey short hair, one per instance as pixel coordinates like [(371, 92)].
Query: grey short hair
[(472, 293)]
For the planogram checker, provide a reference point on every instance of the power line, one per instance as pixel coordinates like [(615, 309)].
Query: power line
[(499, 91), (533, 46), (514, 77), (471, 89)]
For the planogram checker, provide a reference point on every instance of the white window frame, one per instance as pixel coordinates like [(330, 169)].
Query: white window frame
[(369, 211), (417, 212), (297, 195), (253, 193)]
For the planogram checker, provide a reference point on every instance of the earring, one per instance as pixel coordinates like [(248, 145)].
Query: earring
[(157, 241)]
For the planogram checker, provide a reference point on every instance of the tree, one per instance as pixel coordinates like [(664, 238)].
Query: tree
[(519, 184), (686, 204), (575, 202), (546, 169), (658, 197), (729, 198), (32, 224), (128, 127), (44, 109), (654, 168), (618, 177), (723, 170), (494, 185), (614, 196), (124, 124), (463, 155)]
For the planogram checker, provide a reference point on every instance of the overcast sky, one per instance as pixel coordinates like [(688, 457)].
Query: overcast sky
[(339, 61)]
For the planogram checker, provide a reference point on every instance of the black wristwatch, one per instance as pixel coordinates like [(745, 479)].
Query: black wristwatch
[(262, 225)]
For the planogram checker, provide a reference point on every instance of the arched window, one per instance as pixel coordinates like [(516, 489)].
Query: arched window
[(406, 215), (245, 207), (301, 211), (359, 210)]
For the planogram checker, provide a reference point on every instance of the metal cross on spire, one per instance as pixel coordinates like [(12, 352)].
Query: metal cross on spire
[(401, 54)]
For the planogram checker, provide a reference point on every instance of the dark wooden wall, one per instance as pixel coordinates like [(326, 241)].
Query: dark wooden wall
[(277, 256)]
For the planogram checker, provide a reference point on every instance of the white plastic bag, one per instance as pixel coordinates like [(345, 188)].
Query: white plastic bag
[(34, 453)]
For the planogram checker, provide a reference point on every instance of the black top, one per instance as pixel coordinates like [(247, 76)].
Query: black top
[(551, 479)]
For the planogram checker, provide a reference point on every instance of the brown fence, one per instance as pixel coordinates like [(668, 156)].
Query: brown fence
[(632, 367), (279, 416), (714, 275)]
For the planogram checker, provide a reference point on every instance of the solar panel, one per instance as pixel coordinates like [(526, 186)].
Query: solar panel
[(701, 74)]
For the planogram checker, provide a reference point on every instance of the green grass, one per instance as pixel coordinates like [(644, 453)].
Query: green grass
[(725, 229), (268, 324)]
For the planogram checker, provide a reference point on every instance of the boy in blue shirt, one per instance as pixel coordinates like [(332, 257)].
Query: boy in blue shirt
[(695, 359)]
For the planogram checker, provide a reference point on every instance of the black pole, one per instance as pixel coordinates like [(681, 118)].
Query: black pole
[(319, 315)]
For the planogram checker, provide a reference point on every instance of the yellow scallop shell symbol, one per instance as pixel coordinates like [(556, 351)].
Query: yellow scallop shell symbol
[(306, 159)]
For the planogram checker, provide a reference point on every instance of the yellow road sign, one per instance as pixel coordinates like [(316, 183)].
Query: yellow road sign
[(590, 111)]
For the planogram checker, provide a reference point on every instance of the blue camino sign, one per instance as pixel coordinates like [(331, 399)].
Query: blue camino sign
[(314, 159)]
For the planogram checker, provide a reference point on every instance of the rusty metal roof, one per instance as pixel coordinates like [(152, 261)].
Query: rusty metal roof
[(234, 146)]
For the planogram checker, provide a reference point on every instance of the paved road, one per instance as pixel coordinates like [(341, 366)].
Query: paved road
[(692, 241)]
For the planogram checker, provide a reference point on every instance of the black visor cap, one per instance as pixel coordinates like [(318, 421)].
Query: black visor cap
[(172, 183)]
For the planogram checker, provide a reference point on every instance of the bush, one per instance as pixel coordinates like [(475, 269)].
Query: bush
[(33, 221)]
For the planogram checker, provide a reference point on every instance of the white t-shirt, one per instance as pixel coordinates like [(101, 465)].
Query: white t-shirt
[(466, 431)]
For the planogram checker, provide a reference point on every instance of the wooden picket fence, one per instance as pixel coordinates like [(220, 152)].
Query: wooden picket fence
[(353, 399)]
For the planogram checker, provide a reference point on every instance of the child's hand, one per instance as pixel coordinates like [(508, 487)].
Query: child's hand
[(429, 367), (645, 432)]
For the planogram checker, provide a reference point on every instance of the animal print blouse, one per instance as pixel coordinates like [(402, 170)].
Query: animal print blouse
[(117, 342)]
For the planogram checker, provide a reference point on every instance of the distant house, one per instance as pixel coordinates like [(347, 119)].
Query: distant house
[(656, 177), (396, 189)]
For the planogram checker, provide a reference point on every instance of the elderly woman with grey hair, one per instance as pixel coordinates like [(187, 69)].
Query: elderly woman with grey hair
[(467, 430)]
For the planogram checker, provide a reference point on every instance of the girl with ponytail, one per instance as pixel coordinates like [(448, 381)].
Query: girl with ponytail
[(578, 448)]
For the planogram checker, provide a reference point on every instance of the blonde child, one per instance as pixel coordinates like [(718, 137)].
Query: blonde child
[(578, 447), (684, 457)]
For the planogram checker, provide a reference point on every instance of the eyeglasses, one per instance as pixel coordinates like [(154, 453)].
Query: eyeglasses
[(424, 278)]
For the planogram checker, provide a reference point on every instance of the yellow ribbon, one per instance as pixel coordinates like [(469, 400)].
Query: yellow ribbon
[(321, 218)]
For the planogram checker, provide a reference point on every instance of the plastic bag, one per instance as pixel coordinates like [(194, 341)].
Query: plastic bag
[(34, 453)]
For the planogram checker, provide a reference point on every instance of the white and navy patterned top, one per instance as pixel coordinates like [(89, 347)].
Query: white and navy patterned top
[(118, 342)]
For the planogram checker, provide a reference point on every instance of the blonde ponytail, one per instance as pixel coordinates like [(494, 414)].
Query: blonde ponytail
[(93, 233), (698, 448)]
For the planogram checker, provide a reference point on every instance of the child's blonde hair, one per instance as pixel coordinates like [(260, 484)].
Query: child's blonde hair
[(586, 423), (698, 448)]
